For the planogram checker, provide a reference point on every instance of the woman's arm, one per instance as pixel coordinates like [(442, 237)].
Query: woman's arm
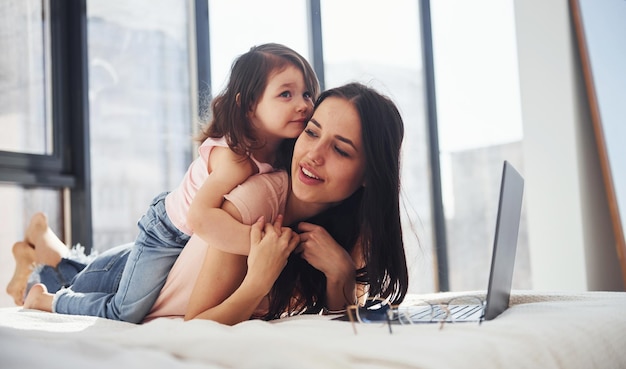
[(229, 288)]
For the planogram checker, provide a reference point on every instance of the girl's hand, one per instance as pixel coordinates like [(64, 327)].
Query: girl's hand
[(270, 246), (320, 250)]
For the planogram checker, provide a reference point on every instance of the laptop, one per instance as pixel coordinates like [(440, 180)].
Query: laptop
[(470, 309)]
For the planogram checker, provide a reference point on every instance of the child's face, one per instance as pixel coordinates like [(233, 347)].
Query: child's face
[(284, 107), (328, 160)]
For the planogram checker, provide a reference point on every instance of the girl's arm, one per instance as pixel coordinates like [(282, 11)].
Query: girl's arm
[(227, 233), (230, 287), (255, 197), (320, 250), (227, 170)]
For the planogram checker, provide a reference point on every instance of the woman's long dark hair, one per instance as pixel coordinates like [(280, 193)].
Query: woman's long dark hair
[(369, 217)]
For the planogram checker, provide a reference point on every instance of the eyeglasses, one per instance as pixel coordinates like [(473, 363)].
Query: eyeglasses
[(457, 309), (373, 310)]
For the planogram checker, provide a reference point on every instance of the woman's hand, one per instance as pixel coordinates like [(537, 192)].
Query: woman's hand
[(320, 250)]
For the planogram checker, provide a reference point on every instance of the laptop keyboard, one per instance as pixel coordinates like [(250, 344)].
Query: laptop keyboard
[(423, 314)]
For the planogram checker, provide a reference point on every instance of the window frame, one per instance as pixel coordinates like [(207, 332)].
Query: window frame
[(68, 165), (45, 170)]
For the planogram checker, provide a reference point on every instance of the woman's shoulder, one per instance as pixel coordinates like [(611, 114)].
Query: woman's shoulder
[(275, 182), (261, 194)]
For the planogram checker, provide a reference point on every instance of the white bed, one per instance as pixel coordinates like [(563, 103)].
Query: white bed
[(539, 330)]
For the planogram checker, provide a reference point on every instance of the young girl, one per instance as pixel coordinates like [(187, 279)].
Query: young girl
[(269, 98), (344, 178)]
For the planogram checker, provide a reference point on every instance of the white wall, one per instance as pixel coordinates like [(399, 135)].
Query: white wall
[(572, 246)]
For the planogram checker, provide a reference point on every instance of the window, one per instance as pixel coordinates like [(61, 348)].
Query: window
[(31, 144), (24, 80), (140, 110), (479, 119), (33, 171), (235, 26)]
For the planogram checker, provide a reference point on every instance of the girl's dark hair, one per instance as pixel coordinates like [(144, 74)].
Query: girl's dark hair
[(370, 216), (248, 79)]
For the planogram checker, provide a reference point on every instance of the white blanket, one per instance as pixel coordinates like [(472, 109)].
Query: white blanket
[(539, 330)]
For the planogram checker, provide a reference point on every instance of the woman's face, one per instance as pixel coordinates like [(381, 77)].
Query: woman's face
[(328, 159)]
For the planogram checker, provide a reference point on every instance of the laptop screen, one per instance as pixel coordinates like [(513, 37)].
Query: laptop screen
[(505, 242)]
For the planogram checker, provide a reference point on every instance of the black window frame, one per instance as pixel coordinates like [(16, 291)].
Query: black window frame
[(68, 165)]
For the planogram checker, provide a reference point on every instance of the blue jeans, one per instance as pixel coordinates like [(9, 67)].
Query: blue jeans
[(103, 274), (148, 263)]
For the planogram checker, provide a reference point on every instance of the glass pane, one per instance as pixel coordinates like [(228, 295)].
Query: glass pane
[(383, 49), (140, 109), (235, 26), (26, 127), (18, 205), (480, 125)]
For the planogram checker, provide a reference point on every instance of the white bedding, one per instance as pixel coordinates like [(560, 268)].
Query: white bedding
[(539, 330)]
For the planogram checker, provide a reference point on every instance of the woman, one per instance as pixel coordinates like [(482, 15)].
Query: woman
[(344, 178)]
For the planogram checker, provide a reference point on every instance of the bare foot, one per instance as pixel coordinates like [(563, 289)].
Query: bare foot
[(37, 226), (49, 249), (24, 255), (39, 298)]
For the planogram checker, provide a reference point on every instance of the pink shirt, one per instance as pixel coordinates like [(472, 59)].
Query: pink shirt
[(178, 201), (259, 195)]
